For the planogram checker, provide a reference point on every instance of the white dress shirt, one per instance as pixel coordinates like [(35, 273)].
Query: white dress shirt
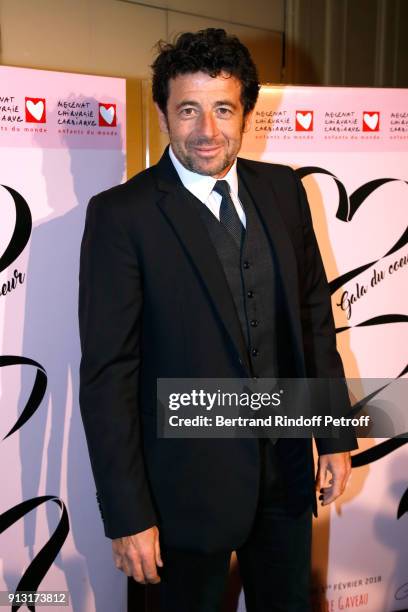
[(202, 187)]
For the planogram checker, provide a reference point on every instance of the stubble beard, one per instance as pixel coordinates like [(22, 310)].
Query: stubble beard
[(206, 168)]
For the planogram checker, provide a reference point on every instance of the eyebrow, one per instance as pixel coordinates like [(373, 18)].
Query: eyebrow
[(196, 104), (187, 103), (226, 103)]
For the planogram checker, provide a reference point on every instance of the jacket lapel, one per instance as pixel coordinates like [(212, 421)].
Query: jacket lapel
[(198, 246)]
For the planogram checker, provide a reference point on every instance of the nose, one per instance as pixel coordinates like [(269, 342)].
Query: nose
[(208, 125)]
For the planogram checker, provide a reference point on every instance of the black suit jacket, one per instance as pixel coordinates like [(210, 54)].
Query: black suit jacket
[(154, 302)]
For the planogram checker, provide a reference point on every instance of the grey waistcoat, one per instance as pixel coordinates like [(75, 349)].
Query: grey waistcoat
[(251, 277)]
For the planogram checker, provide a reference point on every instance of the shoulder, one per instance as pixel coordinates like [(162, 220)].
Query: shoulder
[(129, 200), (268, 170), (141, 184), (279, 179), (284, 183)]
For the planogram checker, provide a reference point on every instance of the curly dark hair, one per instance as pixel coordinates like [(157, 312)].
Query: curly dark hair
[(211, 51)]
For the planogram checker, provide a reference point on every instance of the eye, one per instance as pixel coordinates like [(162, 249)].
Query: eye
[(188, 111), (224, 111)]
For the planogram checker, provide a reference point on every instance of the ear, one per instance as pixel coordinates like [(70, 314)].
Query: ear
[(247, 121), (162, 120)]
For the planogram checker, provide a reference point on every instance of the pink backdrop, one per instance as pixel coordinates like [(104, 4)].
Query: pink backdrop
[(62, 139), (350, 146)]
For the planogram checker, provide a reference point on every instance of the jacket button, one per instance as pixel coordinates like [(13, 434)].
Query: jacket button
[(254, 323), (255, 352), (250, 294), (246, 265)]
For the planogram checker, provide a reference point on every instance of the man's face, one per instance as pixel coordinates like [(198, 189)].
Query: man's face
[(205, 121)]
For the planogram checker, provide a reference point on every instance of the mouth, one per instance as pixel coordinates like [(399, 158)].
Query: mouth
[(207, 151)]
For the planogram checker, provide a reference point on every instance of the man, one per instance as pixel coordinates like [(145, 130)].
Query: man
[(204, 266)]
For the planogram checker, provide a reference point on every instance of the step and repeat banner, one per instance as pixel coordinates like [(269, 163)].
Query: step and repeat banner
[(350, 148), (62, 139)]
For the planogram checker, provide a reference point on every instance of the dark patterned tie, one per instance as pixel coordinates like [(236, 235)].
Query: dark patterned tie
[(228, 213)]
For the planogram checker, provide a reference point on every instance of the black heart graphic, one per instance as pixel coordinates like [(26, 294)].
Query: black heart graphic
[(42, 562), (37, 392), (22, 229), (347, 207)]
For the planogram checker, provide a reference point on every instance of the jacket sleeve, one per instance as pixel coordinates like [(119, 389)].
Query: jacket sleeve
[(110, 310), (319, 336)]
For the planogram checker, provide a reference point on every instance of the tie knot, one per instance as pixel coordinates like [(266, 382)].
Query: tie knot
[(222, 187)]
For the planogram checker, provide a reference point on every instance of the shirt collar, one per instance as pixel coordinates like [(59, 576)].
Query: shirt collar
[(200, 185)]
